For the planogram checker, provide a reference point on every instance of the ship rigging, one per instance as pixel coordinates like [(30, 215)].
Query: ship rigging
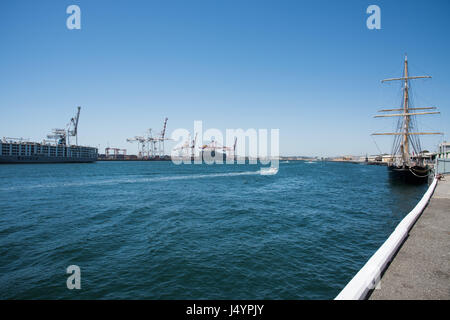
[(407, 163)]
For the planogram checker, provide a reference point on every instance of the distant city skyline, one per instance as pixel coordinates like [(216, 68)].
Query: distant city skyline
[(310, 69)]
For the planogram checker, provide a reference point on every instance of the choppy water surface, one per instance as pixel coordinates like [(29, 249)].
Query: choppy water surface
[(154, 230)]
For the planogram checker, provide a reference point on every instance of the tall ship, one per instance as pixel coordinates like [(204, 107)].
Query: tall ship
[(57, 148), (407, 163)]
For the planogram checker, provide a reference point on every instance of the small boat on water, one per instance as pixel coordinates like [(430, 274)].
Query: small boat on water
[(268, 171), (407, 163)]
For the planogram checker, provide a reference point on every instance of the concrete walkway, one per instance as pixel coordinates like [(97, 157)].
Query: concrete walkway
[(421, 268)]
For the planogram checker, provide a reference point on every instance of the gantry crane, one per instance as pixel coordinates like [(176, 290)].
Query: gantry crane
[(149, 146), (192, 146), (214, 145), (73, 127), (117, 152), (231, 150), (143, 150), (162, 138), (189, 144), (62, 136)]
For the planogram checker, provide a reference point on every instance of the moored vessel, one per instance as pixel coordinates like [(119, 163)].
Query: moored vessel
[(407, 163), (56, 150)]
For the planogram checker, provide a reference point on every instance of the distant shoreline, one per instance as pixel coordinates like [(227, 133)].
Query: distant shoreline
[(379, 163)]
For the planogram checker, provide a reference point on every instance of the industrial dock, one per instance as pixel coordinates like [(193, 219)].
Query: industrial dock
[(57, 148)]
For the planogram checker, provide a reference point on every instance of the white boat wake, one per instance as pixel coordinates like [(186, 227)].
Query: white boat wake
[(268, 171), (129, 180)]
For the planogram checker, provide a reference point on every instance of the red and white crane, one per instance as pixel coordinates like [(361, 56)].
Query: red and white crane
[(214, 145), (149, 146)]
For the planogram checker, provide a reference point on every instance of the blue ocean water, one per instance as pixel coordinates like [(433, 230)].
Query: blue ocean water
[(155, 230)]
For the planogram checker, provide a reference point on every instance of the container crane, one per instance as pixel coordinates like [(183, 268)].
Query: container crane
[(189, 144), (192, 146), (142, 145), (232, 150), (59, 135), (214, 145), (162, 138), (149, 146), (72, 130)]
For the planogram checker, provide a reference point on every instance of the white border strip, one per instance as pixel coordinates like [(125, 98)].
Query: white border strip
[(369, 275)]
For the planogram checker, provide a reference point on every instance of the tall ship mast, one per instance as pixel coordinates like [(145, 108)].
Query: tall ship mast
[(407, 163)]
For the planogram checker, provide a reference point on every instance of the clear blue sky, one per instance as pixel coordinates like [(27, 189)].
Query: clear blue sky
[(310, 68)]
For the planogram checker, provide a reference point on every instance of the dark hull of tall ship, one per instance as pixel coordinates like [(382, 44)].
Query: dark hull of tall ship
[(409, 175), (44, 159)]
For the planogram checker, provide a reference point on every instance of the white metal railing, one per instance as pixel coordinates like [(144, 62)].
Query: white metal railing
[(370, 274), (442, 165)]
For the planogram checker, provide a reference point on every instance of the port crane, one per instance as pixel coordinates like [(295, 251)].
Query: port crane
[(59, 135), (142, 145), (231, 150), (214, 145), (153, 147), (62, 136), (189, 144), (117, 152), (162, 138), (192, 146), (149, 146), (72, 130), (14, 140)]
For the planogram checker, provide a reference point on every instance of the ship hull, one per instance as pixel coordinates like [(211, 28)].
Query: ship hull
[(43, 159), (32, 152), (409, 175)]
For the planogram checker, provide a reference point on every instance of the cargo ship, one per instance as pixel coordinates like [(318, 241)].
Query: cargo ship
[(56, 150)]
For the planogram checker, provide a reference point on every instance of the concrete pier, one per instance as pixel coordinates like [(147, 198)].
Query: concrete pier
[(421, 268)]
